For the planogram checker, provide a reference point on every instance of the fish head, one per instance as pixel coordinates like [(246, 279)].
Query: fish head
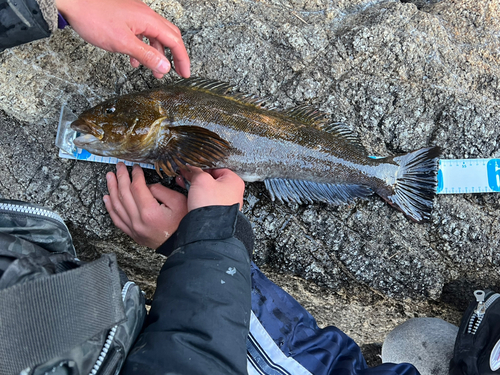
[(124, 127)]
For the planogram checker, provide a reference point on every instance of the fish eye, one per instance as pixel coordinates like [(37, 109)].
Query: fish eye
[(110, 110)]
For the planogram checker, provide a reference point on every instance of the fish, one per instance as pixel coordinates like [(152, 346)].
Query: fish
[(299, 153)]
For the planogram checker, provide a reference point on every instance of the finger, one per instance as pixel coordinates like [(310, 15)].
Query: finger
[(134, 62), (157, 45), (115, 204), (169, 36), (158, 75), (182, 66), (124, 193), (171, 26), (148, 56), (180, 181), (183, 182), (191, 173), (120, 224), (229, 177), (140, 192), (221, 173), (170, 198)]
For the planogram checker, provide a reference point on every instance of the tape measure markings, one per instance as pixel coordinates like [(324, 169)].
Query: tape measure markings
[(455, 176), (461, 176)]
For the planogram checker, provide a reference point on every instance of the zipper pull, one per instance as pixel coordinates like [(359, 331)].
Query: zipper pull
[(481, 307)]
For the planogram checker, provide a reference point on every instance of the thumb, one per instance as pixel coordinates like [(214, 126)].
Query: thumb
[(148, 56), (168, 197), (191, 173), (222, 173)]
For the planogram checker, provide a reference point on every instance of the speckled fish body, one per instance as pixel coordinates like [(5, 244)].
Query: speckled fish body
[(297, 153)]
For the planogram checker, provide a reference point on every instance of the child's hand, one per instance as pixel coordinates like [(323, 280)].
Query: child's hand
[(120, 25), (134, 207), (217, 187)]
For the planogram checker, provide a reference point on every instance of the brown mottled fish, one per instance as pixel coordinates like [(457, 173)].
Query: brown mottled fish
[(298, 153)]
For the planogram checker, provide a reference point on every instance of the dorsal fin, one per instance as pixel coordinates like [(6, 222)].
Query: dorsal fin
[(341, 129), (190, 145), (308, 115), (252, 99), (217, 87), (314, 117), (308, 191), (223, 88)]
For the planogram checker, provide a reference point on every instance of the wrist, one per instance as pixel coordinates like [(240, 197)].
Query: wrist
[(225, 222)]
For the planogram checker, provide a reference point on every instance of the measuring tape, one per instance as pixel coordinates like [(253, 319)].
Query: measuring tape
[(455, 176), (461, 176)]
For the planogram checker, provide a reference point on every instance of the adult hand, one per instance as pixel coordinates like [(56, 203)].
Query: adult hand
[(217, 187), (120, 25), (134, 207)]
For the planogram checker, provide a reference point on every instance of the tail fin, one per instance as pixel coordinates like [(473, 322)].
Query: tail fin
[(416, 183)]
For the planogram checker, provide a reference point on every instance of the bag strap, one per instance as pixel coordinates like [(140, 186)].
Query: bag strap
[(46, 317)]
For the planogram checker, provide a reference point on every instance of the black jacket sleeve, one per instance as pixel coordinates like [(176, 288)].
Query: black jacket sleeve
[(199, 318), (22, 21)]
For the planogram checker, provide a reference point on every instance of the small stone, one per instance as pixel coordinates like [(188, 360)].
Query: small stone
[(426, 343)]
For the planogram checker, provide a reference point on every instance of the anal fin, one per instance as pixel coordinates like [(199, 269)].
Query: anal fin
[(302, 191)]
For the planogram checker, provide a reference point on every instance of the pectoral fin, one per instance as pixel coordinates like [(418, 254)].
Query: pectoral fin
[(189, 145)]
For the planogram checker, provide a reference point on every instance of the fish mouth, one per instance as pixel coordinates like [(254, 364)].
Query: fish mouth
[(87, 128), (96, 146), (90, 136), (85, 140)]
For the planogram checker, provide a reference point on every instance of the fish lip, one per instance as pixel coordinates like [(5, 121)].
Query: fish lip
[(86, 127), (85, 140)]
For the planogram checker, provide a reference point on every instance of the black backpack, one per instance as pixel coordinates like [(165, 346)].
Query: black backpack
[(59, 315), (477, 346)]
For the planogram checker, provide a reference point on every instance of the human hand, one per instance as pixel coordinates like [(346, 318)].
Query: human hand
[(134, 207), (120, 25), (217, 187)]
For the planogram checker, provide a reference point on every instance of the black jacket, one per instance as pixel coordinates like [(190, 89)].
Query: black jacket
[(198, 322), (22, 21)]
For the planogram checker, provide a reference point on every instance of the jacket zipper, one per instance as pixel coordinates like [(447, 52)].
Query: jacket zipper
[(482, 305), (111, 334), (33, 211)]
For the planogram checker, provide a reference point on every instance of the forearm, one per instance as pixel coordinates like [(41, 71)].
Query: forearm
[(26, 20), (199, 318)]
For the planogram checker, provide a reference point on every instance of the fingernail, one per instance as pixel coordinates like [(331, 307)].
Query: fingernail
[(163, 66), (105, 199)]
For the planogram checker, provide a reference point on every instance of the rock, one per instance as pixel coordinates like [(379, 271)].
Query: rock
[(402, 75), (426, 343)]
